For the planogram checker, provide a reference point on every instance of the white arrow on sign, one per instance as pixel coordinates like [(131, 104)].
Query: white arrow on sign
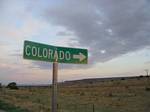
[(80, 56)]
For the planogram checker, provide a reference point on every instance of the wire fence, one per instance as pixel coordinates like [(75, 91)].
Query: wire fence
[(76, 108)]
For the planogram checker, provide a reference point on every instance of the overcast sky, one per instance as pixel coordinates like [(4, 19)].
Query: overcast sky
[(115, 32)]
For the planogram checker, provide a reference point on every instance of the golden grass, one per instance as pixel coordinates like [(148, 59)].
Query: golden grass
[(110, 96)]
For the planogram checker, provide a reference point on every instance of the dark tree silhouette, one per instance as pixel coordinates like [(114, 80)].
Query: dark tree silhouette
[(12, 85), (0, 85)]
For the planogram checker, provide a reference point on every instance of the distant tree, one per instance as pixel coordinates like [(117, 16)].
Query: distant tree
[(12, 85), (0, 85), (123, 78), (141, 76)]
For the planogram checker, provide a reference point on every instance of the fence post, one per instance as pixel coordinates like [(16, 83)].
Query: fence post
[(75, 107), (93, 108), (57, 106)]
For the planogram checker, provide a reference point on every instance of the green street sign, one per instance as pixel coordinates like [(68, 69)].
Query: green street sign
[(42, 52)]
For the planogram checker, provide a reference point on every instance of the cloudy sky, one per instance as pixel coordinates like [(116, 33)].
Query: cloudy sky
[(115, 32)]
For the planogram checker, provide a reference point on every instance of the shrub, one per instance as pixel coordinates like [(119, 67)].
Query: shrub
[(82, 94), (122, 78), (126, 86), (110, 94), (147, 88), (90, 82), (141, 76), (12, 85)]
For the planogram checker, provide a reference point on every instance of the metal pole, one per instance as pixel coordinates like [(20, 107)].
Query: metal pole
[(54, 87)]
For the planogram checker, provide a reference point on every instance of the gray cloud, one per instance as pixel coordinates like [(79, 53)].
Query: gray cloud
[(41, 65), (147, 63), (108, 28), (63, 33), (1, 4), (48, 65), (116, 26)]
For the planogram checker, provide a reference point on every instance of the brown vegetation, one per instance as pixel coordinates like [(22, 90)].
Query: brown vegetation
[(127, 95)]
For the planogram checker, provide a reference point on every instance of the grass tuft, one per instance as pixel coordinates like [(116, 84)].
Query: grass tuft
[(10, 108)]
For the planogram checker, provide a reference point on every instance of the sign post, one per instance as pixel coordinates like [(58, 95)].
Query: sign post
[(54, 87), (55, 54)]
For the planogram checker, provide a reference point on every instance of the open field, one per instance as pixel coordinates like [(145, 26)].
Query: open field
[(122, 95)]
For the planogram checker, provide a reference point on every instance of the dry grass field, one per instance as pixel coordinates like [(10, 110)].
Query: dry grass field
[(124, 95)]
